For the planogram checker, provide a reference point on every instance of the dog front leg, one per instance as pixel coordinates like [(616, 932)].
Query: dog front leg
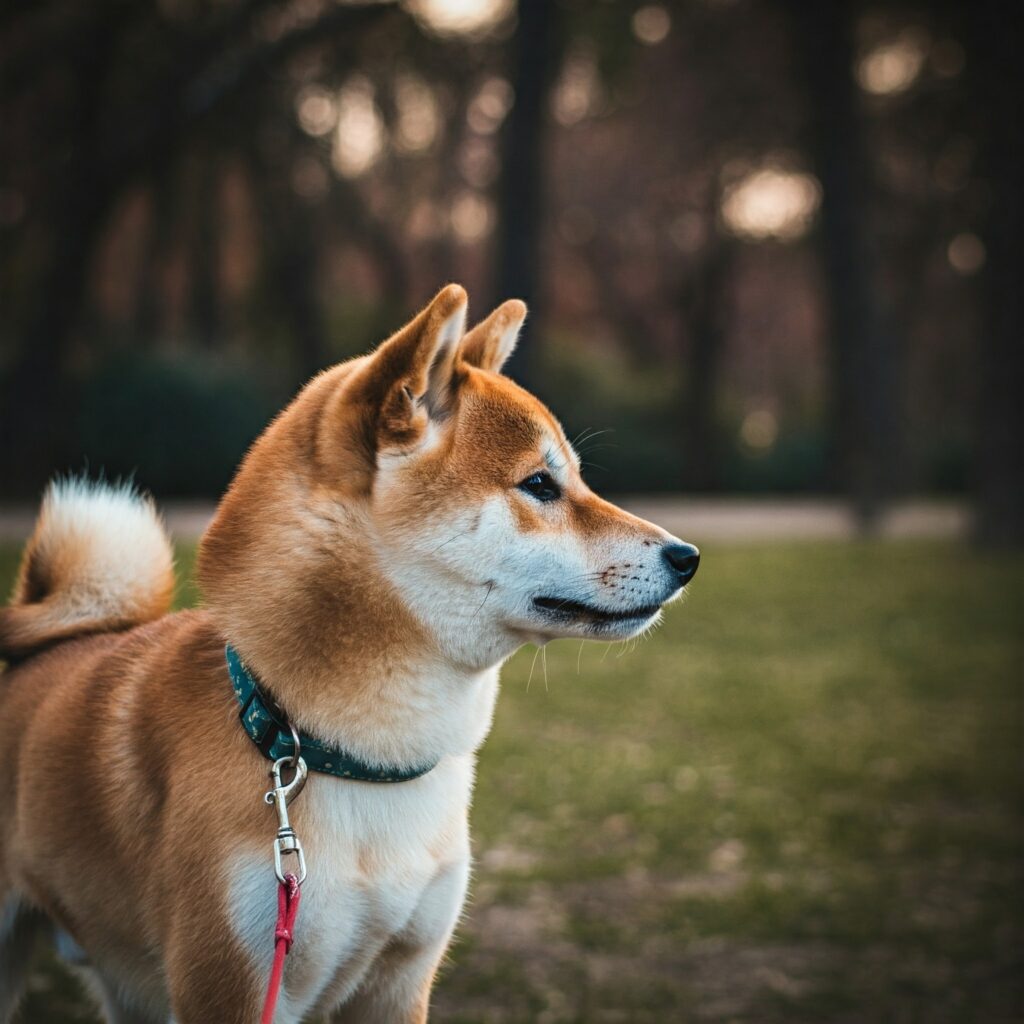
[(210, 990), (397, 989), (212, 978)]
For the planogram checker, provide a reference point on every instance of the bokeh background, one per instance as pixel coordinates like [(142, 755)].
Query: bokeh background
[(771, 244), (771, 251)]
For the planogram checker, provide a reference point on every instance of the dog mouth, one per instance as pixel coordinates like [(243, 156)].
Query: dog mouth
[(563, 608)]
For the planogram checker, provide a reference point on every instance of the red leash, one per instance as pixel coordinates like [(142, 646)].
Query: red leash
[(288, 895), (288, 892)]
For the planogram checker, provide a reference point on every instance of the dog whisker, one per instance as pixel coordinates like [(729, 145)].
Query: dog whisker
[(433, 551), (588, 434), (490, 586), (533, 665)]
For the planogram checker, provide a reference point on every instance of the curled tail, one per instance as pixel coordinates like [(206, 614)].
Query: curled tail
[(98, 560)]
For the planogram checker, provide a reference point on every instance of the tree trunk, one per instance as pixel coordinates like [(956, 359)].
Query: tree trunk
[(536, 52), (997, 80), (702, 305), (292, 256), (148, 319), (204, 270), (33, 407), (865, 435)]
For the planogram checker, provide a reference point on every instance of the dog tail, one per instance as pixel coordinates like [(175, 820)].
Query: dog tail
[(98, 560)]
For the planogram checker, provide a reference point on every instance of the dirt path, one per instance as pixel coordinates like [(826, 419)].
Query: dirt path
[(714, 519), (695, 519)]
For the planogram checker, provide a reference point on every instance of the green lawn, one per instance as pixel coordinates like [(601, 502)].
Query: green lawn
[(798, 801)]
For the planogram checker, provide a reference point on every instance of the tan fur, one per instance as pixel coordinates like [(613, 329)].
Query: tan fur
[(98, 560), (491, 342), (351, 565)]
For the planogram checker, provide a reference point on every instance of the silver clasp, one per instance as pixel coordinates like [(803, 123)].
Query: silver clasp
[(287, 842)]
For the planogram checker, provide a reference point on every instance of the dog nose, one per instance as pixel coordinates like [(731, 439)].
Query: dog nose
[(684, 559)]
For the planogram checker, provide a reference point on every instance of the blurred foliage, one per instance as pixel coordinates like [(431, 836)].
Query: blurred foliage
[(794, 463), (277, 184), (178, 425), (618, 414), (624, 419)]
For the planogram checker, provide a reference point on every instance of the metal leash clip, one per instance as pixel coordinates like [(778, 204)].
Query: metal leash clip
[(287, 842)]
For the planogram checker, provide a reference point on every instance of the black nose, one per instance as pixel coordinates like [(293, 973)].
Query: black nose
[(684, 559)]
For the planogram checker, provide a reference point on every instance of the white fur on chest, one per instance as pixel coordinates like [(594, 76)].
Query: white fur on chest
[(386, 862)]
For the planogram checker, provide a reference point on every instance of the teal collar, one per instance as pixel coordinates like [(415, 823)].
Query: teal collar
[(268, 728)]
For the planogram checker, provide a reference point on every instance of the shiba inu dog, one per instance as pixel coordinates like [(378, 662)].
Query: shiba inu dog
[(409, 521)]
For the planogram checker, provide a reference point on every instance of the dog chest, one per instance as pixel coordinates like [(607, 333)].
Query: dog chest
[(387, 864)]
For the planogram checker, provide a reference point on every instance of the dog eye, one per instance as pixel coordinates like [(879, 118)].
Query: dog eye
[(541, 486)]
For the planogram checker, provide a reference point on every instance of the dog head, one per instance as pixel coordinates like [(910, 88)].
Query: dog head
[(485, 525), (421, 473)]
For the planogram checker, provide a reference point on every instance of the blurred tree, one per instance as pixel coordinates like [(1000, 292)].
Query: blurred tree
[(536, 55), (997, 81), (269, 185), (122, 87), (703, 307), (690, 101), (863, 407)]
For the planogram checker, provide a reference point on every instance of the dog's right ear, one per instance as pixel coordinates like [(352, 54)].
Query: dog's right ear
[(489, 344)]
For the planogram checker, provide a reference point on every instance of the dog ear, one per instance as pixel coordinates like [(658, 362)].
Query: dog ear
[(415, 368), (489, 344)]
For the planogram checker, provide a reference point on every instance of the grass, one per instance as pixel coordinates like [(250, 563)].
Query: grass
[(800, 800)]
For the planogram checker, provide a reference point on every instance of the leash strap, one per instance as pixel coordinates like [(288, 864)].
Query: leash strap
[(288, 896), (286, 844)]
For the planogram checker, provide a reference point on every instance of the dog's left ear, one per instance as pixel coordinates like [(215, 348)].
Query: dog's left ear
[(489, 344), (414, 371), (388, 398)]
